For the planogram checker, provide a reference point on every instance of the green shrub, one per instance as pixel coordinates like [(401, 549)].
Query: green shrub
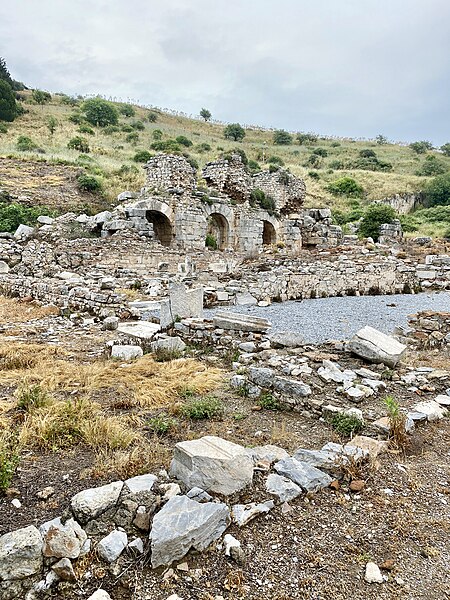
[(77, 118), (254, 166), (367, 153), (374, 216), (127, 110), (157, 134), (381, 139), (273, 168), (88, 183), (203, 147), (320, 152), (421, 147), (80, 144), (191, 160), (162, 424), (166, 146), (183, 141), (276, 160), (445, 149), (138, 125), (432, 166), (100, 112), (282, 137), (142, 156), (126, 170), (25, 144), (41, 97), (8, 104), (126, 128), (202, 408), (132, 138), (205, 114), (234, 131), (346, 186), (313, 174), (83, 128), (110, 129), (68, 100), (337, 164), (152, 117), (313, 161), (306, 138), (211, 242), (3, 128), (12, 215), (335, 144), (269, 402), (346, 425)]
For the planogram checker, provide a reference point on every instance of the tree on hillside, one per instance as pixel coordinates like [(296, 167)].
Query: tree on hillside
[(5, 76), (52, 124), (376, 215), (445, 149), (234, 131), (282, 137), (8, 105), (100, 112), (127, 110), (421, 147), (205, 114), (41, 97), (437, 192), (381, 139)]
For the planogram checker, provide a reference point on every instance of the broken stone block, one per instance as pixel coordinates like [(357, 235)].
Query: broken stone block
[(282, 487), (110, 323), (291, 387), (240, 322), (23, 232), (172, 344), (183, 524), (143, 330), (443, 400), (185, 303), (368, 445), (268, 453), (261, 376), (213, 464), (64, 569), (376, 347), (286, 339), (20, 553), (62, 541), (244, 513), (112, 546), (308, 478), (431, 409), (91, 503), (245, 299), (126, 352), (141, 483)]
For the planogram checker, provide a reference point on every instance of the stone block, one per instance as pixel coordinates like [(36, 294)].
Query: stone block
[(185, 303), (308, 478), (20, 553), (240, 322), (91, 503), (126, 352), (376, 347), (142, 330), (213, 464)]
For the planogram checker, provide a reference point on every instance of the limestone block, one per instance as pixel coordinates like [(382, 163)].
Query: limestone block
[(126, 352), (308, 478), (20, 553), (213, 464), (240, 322), (376, 347), (143, 330), (91, 503)]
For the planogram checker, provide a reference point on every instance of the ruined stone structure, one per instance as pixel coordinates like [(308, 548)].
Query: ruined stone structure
[(227, 214)]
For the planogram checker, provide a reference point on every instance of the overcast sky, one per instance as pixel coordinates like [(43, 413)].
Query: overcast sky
[(343, 67)]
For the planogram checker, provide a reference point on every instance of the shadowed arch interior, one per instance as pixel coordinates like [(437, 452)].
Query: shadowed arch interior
[(219, 228), (269, 235), (162, 227)]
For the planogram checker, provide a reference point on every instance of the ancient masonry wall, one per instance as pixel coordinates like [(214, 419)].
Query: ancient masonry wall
[(430, 329)]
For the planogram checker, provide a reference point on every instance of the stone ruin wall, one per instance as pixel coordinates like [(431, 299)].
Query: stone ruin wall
[(430, 329), (404, 203)]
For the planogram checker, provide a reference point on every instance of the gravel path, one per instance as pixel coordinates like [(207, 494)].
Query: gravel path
[(326, 319)]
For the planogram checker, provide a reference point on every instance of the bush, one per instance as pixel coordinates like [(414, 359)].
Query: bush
[(138, 125), (234, 131), (166, 146), (127, 110), (367, 153), (269, 402), (346, 425), (445, 149), (162, 424), (432, 166), (313, 161), (132, 138), (202, 408), (157, 134), (31, 398), (80, 144), (183, 141), (275, 160), (437, 191), (68, 100), (381, 139), (83, 128), (25, 144), (306, 138), (253, 166), (282, 137), (211, 242), (3, 128), (370, 163), (77, 118), (88, 183), (8, 104), (110, 129), (41, 97), (152, 117), (421, 147), (346, 186), (374, 216), (12, 215), (320, 152), (203, 147), (313, 174), (100, 112), (142, 156)]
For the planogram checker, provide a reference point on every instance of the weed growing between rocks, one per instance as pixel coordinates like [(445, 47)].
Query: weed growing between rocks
[(202, 408), (162, 424), (346, 425), (31, 398), (397, 424), (166, 354), (269, 402), (9, 459)]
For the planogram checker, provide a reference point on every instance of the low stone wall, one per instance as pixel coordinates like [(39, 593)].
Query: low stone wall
[(430, 329)]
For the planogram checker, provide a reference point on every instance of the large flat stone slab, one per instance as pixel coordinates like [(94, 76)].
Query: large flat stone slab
[(20, 553), (307, 477), (91, 503), (142, 330), (376, 347), (240, 322), (183, 524), (212, 464)]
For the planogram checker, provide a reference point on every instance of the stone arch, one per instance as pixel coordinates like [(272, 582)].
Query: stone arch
[(220, 219), (269, 235), (162, 227)]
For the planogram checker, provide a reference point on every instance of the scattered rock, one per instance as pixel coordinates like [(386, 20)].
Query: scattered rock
[(357, 485), (431, 409), (141, 483), (64, 569), (244, 513), (100, 595), (112, 546), (20, 553), (91, 503), (126, 352), (282, 487), (376, 347), (373, 573), (369, 445), (308, 478)]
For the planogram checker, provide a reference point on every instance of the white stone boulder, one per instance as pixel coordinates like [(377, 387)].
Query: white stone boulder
[(20, 553), (112, 546), (126, 352), (62, 540), (23, 232), (91, 503), (244, 513), (240, 322), (100, 595), (141, 483), (432, 409), (183, 524), (282, 487), (376, 347), (142, 330), (213, 464), (308, 478)]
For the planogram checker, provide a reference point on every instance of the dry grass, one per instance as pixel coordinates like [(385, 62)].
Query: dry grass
[(14, 311), (146, 382)]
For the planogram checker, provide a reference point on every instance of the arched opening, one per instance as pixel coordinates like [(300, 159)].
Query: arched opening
[(269, 235), (218, 232), (162, 227)]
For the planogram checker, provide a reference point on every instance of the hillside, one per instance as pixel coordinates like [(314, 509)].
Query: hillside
[(111, 152)]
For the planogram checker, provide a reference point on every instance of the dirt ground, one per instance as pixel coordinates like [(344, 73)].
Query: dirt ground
[(314, 548)]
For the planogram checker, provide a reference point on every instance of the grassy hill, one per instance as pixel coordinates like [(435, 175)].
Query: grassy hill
[(111, 152)]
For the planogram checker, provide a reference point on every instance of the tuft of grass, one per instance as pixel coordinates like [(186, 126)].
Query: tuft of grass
[(202, 408), (345, 425), (269, 402), (397, 422), (166, 354), (162, 424), (143, 458), (30, 398), (9, 459)]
